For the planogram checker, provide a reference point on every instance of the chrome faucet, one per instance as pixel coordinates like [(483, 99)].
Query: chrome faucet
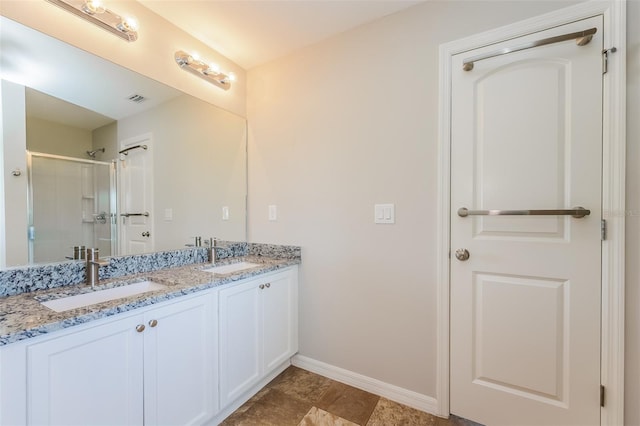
[(93, 266), (212, 246)]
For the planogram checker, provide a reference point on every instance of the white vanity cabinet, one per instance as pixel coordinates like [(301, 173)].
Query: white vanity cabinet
[(186, 361), (156, 367), (258, 322)]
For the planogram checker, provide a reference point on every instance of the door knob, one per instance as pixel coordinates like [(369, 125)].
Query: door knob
[(146, 234), (462, 254)]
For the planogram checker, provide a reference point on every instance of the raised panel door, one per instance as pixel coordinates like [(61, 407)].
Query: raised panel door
[(279, 320), (525, 305), (240, 322), (181, 362), (93, 377)]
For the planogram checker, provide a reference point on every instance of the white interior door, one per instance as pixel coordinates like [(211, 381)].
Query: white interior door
[(136, 195), (525, 306)]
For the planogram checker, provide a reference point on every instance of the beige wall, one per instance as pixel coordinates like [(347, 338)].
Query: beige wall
[(152, 54), (350, 122), (199, 165), (106, 137), (55, 138)]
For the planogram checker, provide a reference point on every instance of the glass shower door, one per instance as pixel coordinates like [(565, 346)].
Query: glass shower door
[(71, 203)]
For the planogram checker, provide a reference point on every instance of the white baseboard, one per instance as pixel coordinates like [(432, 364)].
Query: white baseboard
[(386, 390)]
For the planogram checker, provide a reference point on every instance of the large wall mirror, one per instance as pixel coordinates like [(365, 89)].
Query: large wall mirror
[(96, 155)]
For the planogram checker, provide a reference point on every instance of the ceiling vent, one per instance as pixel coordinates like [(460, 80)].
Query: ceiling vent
[(137, 98)]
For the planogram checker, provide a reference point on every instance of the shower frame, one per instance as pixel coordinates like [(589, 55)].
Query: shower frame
[(112, 196)]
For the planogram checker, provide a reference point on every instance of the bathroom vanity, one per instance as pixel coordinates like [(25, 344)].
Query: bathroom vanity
[(190, 352)]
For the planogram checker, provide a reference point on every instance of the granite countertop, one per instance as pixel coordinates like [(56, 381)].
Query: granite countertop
[(22, 316)]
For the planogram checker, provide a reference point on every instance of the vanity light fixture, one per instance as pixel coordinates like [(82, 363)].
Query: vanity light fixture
[(95, 12), (209, 72)]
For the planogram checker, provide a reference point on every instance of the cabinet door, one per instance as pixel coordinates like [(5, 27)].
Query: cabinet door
[(240, 325), (181, 362), (93, 377), (280, 314)]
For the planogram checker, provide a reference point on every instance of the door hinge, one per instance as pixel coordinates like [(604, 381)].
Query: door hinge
[(603, 229), (605, 59), (602, 395)]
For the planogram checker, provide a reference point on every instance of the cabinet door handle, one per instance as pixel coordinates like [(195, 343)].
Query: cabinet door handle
[(153, 323), (140, 328), (267, 285), (261, 286)]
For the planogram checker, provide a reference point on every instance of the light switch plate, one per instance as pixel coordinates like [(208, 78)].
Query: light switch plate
[(273, 212), (168, 214), (384, 213), (225, 212)]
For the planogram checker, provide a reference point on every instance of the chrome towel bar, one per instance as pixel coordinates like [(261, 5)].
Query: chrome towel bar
[(126, 151), (577, 212), (581, 38), (145, 214)]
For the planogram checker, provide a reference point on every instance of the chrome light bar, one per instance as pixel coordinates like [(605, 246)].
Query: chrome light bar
[(94, 12), (211, 73)]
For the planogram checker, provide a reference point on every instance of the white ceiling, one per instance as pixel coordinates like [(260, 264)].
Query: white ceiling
[(252, 32)]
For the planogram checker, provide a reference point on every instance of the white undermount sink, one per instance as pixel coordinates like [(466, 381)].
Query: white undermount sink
[(232, 267), (80, 300)]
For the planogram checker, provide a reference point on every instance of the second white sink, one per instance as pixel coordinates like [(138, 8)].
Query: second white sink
[(232, 267), (85, 299)]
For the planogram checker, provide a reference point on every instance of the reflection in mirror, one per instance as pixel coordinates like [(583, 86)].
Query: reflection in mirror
[(74, 112)]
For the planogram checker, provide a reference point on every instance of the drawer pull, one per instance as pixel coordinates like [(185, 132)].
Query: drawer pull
[(140, 328), (267, 285), (153, 323), (261, 286)]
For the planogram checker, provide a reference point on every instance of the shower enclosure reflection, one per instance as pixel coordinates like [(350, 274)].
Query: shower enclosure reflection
[(72, 202)]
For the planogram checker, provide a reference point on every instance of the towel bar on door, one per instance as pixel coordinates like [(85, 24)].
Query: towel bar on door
[(577, 212)]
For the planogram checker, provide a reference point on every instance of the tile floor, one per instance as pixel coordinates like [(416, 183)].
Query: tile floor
[(300, 398)]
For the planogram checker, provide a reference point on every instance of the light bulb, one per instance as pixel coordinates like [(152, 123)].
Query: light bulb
[(128, 25), (232, 76), (91, 7), (213, 69)]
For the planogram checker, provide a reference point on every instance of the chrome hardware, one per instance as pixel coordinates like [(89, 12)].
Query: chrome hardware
[(267, 285), (126, 150), (16, 172), (462, 254), (145, 214), (100, 217), (212, 246), (577, 212), (581, 38), (78, 253), (146, 234), (140, 328), (261, 286), (605, 59), (153, 323), (93, 266)]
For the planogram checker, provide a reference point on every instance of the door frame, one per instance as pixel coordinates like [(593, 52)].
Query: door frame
[(613, 192)]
